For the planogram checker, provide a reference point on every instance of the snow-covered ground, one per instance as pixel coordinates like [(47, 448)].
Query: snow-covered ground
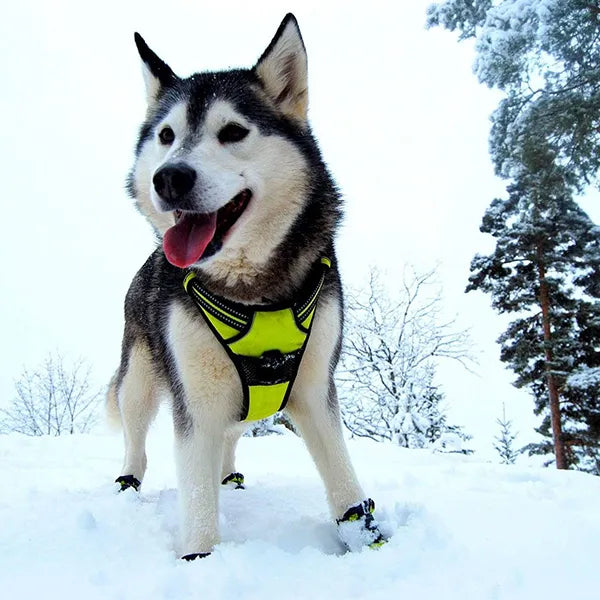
[(460, 528)]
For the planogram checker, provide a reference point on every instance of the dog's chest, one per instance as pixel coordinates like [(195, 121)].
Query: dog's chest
[(209, 375), (205, 370)]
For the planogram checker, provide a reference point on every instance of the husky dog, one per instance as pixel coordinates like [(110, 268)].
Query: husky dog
[(232, 181)]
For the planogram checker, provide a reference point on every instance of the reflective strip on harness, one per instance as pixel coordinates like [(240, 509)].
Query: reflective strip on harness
[(265, 343)]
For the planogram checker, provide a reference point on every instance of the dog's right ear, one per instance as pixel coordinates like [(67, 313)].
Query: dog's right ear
[(283, 72), (157, 73)]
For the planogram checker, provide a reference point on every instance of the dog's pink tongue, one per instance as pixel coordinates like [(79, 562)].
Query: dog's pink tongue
[(185, 242)]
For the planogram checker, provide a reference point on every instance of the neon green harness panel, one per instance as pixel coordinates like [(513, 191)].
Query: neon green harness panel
[(265, 343)]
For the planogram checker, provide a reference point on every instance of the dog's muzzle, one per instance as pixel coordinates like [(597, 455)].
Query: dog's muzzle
[(172, 182)]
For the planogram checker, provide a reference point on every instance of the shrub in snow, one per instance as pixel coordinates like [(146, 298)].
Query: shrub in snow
[(387, 370), (54, 399), (277, 424), (451, 442)]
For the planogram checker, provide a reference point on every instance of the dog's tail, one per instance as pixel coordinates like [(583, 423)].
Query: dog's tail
[(113, 413)]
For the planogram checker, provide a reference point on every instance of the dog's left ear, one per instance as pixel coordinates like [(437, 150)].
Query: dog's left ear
[(157, 73), (282, 69)]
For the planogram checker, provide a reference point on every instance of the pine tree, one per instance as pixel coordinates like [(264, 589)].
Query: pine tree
[(545, 268), (583, 413), (545, 138), (505, 440), (545, 56)]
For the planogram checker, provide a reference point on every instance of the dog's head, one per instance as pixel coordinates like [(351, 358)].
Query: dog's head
[(225, 162)]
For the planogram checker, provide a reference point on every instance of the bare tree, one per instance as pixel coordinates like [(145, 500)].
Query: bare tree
[(392, 345), (54, 399)]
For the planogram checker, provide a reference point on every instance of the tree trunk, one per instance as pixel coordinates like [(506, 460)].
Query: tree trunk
[(559, 446)]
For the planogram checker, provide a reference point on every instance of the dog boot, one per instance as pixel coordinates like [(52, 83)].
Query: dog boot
[(195, 555), (358, 528), (128, 481), (235, 481)]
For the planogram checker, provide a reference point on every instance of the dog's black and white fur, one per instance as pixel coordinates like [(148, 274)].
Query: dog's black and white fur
[(264, 257)]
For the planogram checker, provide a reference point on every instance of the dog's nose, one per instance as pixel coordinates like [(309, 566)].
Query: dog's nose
[(174, 181)]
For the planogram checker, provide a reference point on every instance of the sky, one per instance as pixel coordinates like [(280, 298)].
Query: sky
[(401, 120)]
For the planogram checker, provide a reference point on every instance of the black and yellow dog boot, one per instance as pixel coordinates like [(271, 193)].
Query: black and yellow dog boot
[(358, 527), (128, 481), (235, 481)]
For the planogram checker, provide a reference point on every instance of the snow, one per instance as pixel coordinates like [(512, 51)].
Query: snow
[(460, 528), (449, 442), (585, 377)]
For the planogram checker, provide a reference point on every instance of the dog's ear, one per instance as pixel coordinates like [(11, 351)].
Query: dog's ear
[(157, 73), (282, 69)]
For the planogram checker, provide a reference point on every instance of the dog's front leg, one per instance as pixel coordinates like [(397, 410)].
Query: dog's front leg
[(199, 452), (314, 411)]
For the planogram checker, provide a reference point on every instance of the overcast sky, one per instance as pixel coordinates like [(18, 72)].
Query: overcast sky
[(401, 120)]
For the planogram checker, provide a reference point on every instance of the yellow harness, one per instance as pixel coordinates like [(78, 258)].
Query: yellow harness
[(265, 343)]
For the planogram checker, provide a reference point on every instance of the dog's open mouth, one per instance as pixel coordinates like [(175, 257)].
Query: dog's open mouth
[(199, 235)]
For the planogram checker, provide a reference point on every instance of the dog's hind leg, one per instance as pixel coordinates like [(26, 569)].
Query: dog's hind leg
[(229, 475), (138, 404)]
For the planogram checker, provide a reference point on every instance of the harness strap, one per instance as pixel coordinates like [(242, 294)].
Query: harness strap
[(265, 343)]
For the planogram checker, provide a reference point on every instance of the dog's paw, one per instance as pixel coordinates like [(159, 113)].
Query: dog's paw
[(195, 555), (235, 481), (358, 528), (128, 481)]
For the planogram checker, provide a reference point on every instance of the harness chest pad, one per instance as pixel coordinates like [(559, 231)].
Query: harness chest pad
[(265, 343)]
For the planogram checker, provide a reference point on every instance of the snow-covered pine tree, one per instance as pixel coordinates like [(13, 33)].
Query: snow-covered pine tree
[(387, 372), (419, 419), (505, 440), (545, 57), (583, 412), (545, 137), (545, 269)]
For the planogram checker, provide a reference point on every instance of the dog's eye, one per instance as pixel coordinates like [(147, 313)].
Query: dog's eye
[(166, 136), (232, 132)]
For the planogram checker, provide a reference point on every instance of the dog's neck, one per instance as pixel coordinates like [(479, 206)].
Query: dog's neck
[(276, 281)]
